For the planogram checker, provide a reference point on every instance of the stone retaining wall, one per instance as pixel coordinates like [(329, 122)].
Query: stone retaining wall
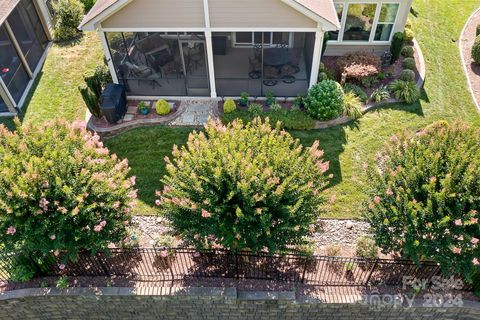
[(203, 303)]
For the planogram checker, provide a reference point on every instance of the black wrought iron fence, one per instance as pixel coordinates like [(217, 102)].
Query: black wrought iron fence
[(156, 265)]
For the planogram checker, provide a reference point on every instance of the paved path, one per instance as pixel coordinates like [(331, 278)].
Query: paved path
[(472, 70), (196, 112)]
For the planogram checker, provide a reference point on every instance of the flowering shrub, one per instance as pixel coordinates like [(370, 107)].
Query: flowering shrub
[(243, 186), (425, 197), (325, 100), (358, 65), (61, 192)]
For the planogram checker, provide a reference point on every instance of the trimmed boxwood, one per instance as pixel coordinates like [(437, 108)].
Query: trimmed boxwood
[(476, 50), (325, 100)]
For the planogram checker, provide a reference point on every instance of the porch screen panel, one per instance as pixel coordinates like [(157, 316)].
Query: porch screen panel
[(26, 37), (262, 62), (11, 68)]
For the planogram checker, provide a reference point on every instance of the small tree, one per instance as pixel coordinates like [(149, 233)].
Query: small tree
[(61, 193), (398, 41), (243, 187), (425, 197)]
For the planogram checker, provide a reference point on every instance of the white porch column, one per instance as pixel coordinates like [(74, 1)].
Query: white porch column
[(211, 68), (108, 56), (7, 97), (317, 56)]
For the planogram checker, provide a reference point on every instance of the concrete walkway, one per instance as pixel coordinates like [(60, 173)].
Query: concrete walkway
[(196, 112)]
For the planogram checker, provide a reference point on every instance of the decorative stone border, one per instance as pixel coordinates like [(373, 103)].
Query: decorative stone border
[(126, 126), (371, 106), (464, 61)]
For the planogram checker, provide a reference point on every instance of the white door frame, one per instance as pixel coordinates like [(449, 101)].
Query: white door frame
[(180, 42)]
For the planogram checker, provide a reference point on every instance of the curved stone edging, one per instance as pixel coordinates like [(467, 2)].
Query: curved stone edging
[(126, 126), (464, 62), (422, 70)]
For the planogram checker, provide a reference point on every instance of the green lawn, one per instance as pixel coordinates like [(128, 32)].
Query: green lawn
[(55, 93), (347, 147)]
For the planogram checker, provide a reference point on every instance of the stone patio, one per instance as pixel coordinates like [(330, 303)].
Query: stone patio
[(196, 112), (192, 112)]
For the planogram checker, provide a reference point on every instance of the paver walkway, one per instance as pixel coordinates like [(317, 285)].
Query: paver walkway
[(472, 70), (196, 112)]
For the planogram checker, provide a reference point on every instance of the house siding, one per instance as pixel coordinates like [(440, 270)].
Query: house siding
[(256, 13), (158, 14)]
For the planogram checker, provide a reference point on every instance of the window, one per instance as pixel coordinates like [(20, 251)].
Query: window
[(359, 22), (333, 35), (386, 21), (249, 39)]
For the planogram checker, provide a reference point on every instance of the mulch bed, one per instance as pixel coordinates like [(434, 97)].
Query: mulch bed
[(466, 42)]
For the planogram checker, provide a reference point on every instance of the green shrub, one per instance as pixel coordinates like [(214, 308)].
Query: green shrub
[(67, 18), (244, 98), (406, 91), (353, 106), (91, 100), (293, 119), (408, 51), (409, 63), (275, 107), (61, 193), (409, 35), (243, 187), (380, 94), (299, 101), (325, 100), (381, 76), (408, 24), (477, 32), (88, 4), (476, 50), (398, 42), (350, 87), (407, 75), (425, 197), (369, 82), (229, 106), (162, 107), (366, 248), (358, 65), (255, 109), (270, 98), (62, 283)]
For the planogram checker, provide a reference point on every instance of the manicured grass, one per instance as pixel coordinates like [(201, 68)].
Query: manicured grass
[(55, 93), (348, 147), (146, 149)]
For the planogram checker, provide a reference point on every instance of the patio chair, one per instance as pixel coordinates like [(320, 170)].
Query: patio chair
[(270, 74), (255, 71), (141, 73), (295, 57)]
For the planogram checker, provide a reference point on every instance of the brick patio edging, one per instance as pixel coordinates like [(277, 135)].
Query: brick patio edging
[(206, 303)]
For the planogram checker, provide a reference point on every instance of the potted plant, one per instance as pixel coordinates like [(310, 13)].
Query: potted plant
[(143, 108), (270, 98), (244, 99)]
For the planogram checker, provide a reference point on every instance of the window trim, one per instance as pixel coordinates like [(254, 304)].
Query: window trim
[(236, 44), (371, 39)]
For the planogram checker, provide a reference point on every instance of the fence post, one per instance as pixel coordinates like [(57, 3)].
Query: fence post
[(102, 265), (305, 266), (371, 271), (237, 274)]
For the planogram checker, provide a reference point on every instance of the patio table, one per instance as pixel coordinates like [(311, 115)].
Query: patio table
[(275, 57)]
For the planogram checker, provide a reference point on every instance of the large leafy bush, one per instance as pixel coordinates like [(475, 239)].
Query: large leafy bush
[(476, 50), (325, 100), (61, 193), (243, 187), (425, 197), (67, 18)]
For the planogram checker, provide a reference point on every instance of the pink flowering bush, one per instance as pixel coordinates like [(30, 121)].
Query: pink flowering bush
[(425, 197), (61, 192), (243, 187)]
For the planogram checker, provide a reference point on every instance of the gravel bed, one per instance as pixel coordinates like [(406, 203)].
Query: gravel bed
[(343, 233)]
